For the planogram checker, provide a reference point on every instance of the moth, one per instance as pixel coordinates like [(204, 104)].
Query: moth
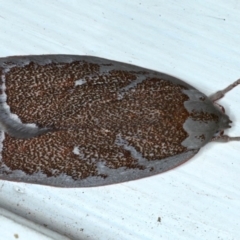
[(83, 121)]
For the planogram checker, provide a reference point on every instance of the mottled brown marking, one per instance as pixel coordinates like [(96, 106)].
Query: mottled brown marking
[(150, 117), (202, 137), (204, 117)]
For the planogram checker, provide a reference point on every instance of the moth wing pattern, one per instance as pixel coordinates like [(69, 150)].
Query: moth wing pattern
[(82, 121)]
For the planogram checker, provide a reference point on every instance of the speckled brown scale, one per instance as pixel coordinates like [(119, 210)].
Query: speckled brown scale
[(92, 117), (106, 116)]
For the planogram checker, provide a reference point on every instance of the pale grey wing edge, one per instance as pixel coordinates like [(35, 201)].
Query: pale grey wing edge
[(62, 58), (114, 175)]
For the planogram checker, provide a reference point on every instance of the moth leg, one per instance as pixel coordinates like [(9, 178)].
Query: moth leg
[(225, 138), (220, 94), (220, 106)]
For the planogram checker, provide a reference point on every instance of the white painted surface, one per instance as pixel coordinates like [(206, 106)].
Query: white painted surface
[(197, 41), (16, 227), (18, 231)]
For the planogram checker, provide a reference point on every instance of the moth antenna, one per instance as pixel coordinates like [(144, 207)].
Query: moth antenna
[(220, 94), (225, 138)]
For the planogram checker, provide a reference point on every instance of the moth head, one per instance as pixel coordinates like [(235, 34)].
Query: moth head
[(224, 121), (206, 120)]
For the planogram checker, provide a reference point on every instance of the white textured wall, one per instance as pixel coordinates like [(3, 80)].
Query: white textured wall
[(198, 41)]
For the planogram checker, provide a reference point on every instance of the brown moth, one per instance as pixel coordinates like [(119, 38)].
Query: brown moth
[(82, 121)]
